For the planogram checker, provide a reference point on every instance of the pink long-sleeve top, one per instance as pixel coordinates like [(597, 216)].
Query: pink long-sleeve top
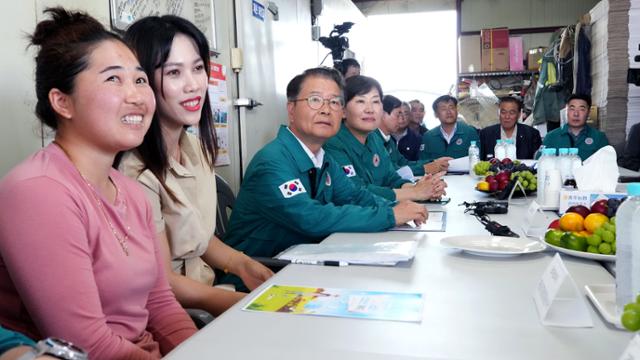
[(63, 273)]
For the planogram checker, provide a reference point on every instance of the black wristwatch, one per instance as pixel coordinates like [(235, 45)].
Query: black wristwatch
[(56, 348)]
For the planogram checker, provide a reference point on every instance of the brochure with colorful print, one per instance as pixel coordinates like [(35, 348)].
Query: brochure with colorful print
[(300, 300)]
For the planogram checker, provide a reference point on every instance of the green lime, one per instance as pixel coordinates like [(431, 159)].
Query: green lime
[(553, 237), (574, 242), (599, 231), (631, 320), (593, 249), (594, 240), (604, 248), (613, 220)]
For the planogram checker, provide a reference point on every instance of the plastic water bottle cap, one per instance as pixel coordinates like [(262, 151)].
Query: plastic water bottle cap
[(563, 151), (573, 151), (498, 142), (633, 189), (551, 151), (473, 143)]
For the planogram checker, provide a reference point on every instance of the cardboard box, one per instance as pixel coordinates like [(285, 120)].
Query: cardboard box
[(497, 38), (495, 49), (495, 59), (533, 56), (469, 54), (516, 55), (569, 198)]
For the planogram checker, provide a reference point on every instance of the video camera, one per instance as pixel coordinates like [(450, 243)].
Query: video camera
[(337, 42)]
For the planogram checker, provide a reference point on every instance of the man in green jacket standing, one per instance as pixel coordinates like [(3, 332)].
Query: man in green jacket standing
[(576, 133), (452, 138), (294, 193)]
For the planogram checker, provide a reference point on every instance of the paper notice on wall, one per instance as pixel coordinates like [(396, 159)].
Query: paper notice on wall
[(220, 105)]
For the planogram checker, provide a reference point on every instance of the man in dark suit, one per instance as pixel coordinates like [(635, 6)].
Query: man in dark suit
[(527, 139), (630, 157)]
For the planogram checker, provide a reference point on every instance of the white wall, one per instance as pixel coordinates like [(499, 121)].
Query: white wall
[(20, 130), (18, 125)]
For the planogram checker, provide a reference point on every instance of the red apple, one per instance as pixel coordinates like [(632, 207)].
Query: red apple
[(502, 184), (494, 161), (600, 206), (506, 161), (579, 209), (490, 178), (555, 224)]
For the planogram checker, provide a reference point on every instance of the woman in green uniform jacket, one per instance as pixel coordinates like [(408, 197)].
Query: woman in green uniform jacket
[(361, 153)]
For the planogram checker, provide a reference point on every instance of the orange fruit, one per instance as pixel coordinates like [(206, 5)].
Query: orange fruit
[(594, 221), (571, 222)]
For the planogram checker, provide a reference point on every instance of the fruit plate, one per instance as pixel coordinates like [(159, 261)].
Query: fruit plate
[(504, 194), (583, 254), (603, 298), (493, 245)]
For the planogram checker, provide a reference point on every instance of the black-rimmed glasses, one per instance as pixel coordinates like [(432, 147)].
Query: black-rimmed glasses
[(315, 102)]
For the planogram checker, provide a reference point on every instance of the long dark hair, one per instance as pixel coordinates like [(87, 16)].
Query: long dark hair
[(66, 41), (151, 39)]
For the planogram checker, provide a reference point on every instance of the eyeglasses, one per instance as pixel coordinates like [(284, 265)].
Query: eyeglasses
[(315, 102)]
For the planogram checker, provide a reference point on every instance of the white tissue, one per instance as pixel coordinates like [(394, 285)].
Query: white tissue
[(599, 173)]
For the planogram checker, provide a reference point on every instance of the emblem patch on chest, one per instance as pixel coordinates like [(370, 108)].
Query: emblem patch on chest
[(459, 142), (588, 141), (376, 160)]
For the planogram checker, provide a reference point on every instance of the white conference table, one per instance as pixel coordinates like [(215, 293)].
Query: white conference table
[(474, 307)]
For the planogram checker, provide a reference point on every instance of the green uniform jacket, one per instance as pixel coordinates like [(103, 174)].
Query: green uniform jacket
[(268, 218), (398, 160), (366, 165), (10, 339), (435, 146), (588, 141)]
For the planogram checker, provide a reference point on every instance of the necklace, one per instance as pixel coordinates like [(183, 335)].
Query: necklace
[(122, 240)]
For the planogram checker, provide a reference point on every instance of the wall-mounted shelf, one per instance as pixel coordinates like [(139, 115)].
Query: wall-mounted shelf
[(497, 73)]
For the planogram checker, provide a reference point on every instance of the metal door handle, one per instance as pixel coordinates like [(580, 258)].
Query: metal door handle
[(246, 102)]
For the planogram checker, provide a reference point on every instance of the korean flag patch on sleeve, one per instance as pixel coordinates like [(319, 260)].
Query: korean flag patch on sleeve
[(292, 188), (349, 170)]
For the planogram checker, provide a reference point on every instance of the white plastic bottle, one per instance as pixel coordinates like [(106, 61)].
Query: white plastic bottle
[(628, 248), (545, 163), (499, 152), (565, 164), (511, 149), (576, 161), (474, 156)]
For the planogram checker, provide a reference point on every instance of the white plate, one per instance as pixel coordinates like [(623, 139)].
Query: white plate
[(603, 298), (493, 245), (583, 254)]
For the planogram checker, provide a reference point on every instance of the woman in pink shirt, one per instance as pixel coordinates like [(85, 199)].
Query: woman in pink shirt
[(79, 256)]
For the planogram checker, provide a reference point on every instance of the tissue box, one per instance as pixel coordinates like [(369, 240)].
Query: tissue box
[(569, 198)]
